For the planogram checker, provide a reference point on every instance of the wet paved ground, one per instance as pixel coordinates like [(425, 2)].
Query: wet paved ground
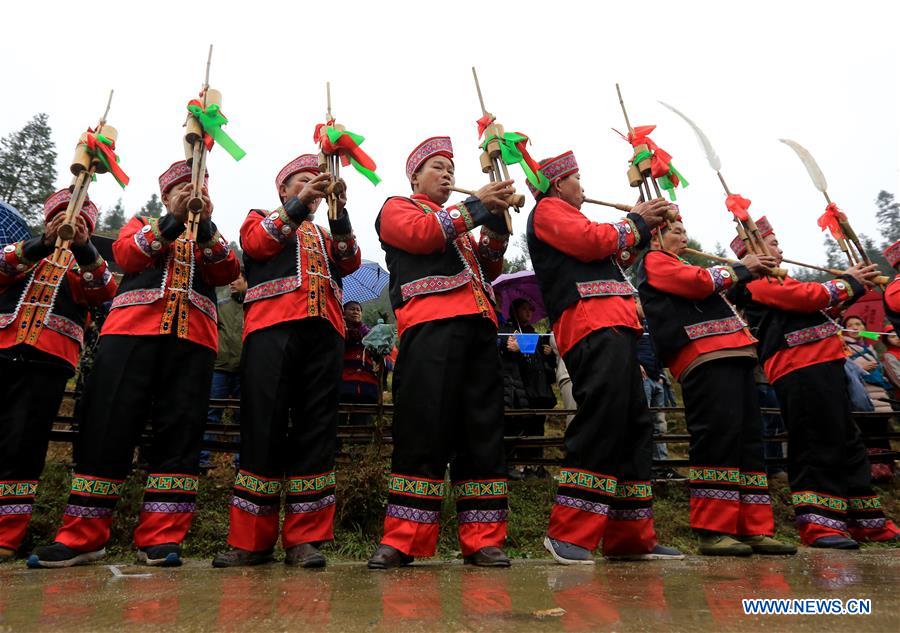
[(697, 594)]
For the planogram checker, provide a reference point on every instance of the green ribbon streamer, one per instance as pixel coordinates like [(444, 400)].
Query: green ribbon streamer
[(368, 173), (335, 135), (870, 335), (641, 156), (212, 121), (104, 160), (511, 155)]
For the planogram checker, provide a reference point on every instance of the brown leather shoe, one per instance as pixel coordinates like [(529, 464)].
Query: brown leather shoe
[(488, 557), (387, 557), (304, 555), (241, 558)]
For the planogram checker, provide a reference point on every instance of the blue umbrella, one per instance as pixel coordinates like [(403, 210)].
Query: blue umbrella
[(13, 226), (366, 283)]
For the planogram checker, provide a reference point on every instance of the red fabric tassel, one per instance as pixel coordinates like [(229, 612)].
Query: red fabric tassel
[(831, 220), (738, 205), (483, 124)]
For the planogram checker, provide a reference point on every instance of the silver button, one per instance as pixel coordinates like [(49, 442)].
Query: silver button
[(155, 245), (455, 214), (840, 285), (342, 246), (286, 229), (147, 228), (273, 215), (9, 249), (626, 255), (20, 267), (726, 274), (207, 251), (88, 276), (627, 228)]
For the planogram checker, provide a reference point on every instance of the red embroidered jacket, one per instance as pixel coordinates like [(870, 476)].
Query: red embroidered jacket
[(823, 345), (169, 283), (294, 269), (405, 225), (670, 275), (568, 230), (45, 305)]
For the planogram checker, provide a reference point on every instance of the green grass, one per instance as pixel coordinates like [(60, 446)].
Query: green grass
[(362, 495)]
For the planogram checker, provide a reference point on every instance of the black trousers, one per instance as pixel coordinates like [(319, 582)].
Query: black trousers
[(448, 401), (826, 453), (291, 371), (31, 388), (161, 379), (612, 431)]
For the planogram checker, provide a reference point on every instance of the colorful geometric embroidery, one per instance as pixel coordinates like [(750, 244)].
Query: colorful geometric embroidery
[(87, 512), (756, 499), (252, 508), (838, 290), (865, 503), (718, 475), (721, 276), (715, 493), (435, 283), (581, 504), (138, 297), (18, 489), (811, 334), (398, 484), (604, 288), (481, 489), (446, 224), (204, 304), (309, 506), (714, 327), (140, 238), (172, 483), (267, 289), (634, 490), (16, 509), (625, 228), (818, 519), (492, 245), (587, 481), (167, 507), (86, 485), (273, 223), (754, 480), (808, 498), (257, 485), (412, 514), (482, 516), (630, 514), (869, 524), (315, 483)]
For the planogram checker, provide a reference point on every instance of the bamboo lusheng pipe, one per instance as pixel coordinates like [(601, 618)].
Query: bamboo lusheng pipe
[(491, 162), (779, 273), (880, 280), (84, 174), (513, 200), (198, 154)]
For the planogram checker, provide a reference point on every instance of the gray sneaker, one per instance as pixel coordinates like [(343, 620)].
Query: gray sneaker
[(568, 553), (659, 552)]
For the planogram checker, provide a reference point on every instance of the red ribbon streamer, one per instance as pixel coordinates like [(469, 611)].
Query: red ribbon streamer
[(738, 205), (109, 151), (660, 162), (483, 124), (831, 220), (533, 164), (345, 147)]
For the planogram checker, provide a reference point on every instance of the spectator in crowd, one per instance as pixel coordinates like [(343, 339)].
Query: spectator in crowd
[(654, 377), (773, 424), (563, 381), (528, 383), (359, 380), (226, 380), (890, 360), (862, 354)]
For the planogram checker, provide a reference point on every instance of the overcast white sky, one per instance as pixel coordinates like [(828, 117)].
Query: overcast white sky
[(822, 73)]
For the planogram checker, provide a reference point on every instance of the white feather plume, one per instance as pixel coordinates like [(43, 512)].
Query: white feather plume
[(711, 155), (812, 166)]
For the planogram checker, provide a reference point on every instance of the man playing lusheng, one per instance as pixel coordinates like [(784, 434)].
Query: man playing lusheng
[(709, 350), (448, 391), (604, 490), (801, 352)]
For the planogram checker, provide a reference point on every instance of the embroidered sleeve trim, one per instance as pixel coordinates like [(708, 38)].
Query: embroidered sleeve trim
[(433, 284), (722, 277), (838, 291), (628, 234), (345, 246), (811, 334), (604, 288)]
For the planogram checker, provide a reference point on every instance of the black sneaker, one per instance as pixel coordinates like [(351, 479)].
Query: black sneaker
[(667, 474), (568, 553), (59, 555), (165, 555)]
